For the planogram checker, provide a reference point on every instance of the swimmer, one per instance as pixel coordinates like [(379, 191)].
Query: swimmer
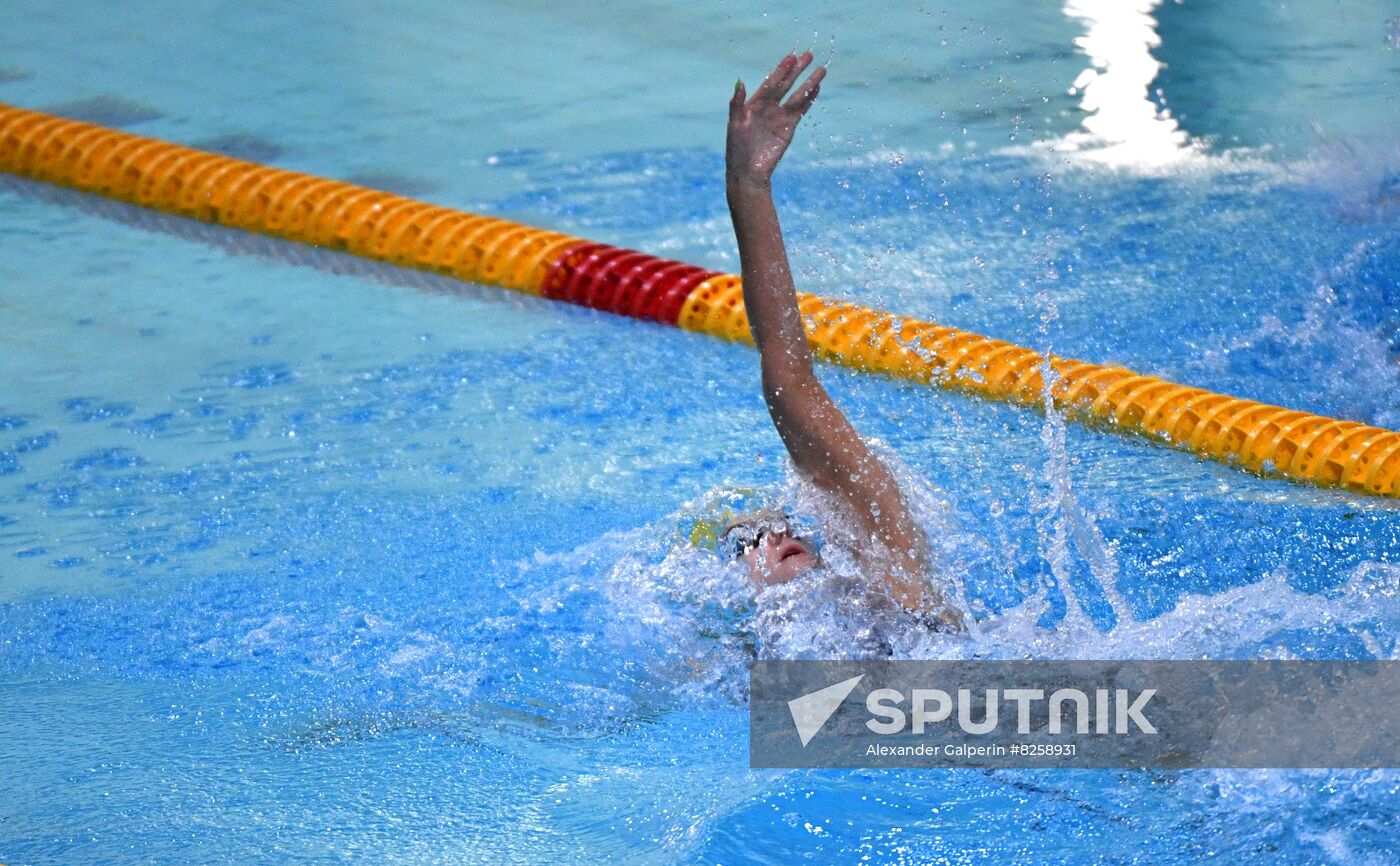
[(823, 444)]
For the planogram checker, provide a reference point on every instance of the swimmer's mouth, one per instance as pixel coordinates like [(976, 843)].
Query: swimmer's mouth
[(791, 549)]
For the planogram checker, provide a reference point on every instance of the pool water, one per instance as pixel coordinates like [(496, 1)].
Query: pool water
[(307, 559)]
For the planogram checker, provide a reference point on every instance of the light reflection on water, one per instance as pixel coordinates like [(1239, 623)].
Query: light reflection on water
[(1125, 126)]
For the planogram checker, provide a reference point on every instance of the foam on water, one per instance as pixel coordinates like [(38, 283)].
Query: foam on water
[(703, 621), (691, 595)]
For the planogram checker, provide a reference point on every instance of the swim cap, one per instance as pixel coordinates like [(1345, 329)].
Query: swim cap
[(703, 525)]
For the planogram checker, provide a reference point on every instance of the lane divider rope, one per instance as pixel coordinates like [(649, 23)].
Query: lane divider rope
[(1265, 439)]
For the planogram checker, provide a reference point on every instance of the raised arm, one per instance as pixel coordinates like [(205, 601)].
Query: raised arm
[(817, 434)]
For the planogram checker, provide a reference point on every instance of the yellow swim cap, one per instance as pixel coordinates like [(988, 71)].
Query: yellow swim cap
[(704, 526)]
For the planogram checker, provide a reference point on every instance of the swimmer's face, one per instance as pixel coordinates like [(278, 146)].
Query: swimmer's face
[(772, 551), (778, 558)]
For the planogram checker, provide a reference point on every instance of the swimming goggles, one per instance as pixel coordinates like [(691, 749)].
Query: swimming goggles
[(744, 535)]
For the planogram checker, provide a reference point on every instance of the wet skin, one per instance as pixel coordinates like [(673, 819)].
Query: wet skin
[(779, 558)]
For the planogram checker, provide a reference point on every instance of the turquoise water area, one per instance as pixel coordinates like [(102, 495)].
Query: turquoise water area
[(304, 559)]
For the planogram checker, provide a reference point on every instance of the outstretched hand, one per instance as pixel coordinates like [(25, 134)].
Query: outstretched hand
[(761, 126)]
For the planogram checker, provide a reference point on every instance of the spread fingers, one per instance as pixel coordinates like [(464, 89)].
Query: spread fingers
[(802, 99), (782, 76)]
